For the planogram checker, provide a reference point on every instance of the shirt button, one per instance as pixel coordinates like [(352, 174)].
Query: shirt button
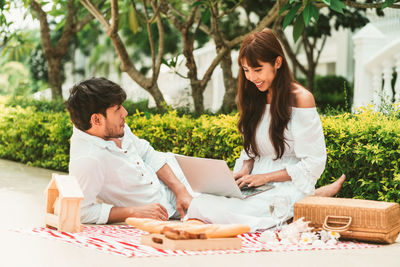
[(142, 174), (126, 151), (137, 163), (151, 182)]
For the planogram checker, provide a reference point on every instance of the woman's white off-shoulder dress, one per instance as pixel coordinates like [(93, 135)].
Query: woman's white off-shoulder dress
[(304, 159)]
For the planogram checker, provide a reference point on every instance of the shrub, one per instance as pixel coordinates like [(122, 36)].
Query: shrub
[(364, 146), (35, 138), (333, 91), (39, 105)]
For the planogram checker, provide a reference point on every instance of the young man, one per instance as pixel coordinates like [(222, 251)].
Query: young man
[(114, 165)]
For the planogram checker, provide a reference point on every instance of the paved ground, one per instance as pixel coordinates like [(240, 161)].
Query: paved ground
[(22, 206)]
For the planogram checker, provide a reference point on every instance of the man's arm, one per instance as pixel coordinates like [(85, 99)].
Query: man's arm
[(183, 198), (152, 211)]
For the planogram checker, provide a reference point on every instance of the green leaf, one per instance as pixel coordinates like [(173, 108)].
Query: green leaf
[(205, 16), (197, 3), (284, 8), (315, 13), (2, 4), (387, 3), (290, 15), (298, 28), (328, 2), (307, 14), (337, 6), (133, 22)]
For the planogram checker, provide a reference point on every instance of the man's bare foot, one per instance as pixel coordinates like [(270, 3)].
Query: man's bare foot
[(332, 189)]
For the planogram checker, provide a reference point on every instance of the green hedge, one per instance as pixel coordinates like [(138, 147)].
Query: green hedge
[(365, 146)]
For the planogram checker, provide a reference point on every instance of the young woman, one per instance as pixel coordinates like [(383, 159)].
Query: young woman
[(283, 140), (282, 133)]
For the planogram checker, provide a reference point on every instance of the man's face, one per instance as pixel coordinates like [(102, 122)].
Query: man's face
[(115, 122)]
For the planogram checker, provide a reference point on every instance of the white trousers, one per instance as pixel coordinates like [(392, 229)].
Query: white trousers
[(253, 211)]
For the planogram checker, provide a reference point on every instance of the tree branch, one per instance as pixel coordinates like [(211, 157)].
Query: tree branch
[(156, 12), (44, 28), (213, 65), (230, 10), (265, 22), (150, 36), (114, 18), (68, 31), (127, 65), (95, 12), (161, 41), (290, 52), (81, 24), (370, 5), (319, 51)]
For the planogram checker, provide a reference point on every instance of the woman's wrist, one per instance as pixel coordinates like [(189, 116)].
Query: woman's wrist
[(247, 166), (267, 178)]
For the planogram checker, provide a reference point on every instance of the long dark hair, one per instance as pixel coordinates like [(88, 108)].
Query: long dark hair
[(264, 46)]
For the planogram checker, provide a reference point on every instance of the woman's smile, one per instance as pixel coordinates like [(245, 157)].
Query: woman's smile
[(259, 84)]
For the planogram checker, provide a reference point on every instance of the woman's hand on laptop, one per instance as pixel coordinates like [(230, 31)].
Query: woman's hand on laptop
[(245, 170), (252, 180)]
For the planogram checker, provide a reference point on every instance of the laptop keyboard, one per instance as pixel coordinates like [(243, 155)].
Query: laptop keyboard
[(249, 190)]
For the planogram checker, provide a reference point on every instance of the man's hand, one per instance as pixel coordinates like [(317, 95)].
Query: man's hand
[(183, 199), (152, 211)]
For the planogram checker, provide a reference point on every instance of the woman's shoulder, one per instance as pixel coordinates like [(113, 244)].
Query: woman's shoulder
[(302, 97)]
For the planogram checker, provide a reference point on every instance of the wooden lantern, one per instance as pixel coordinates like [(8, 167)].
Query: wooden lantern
[(63, 200)]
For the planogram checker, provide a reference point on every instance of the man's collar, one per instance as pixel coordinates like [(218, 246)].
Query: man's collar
[(100, 142)]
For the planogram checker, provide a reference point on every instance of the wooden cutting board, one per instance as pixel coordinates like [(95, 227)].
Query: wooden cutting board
[(162, 242)]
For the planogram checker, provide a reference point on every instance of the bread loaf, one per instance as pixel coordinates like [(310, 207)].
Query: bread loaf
[(150, 225), (210, 230)]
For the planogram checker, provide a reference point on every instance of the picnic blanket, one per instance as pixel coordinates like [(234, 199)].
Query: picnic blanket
[(124, 240)]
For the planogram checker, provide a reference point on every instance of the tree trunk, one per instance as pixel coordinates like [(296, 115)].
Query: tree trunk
[(229, 102), (157, 95), (54, 77), (198, 99), (311, 77)]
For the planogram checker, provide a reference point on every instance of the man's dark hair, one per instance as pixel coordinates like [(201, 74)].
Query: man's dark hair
[(92, 96)]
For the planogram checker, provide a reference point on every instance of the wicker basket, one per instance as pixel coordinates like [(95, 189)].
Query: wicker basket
[(366, 220)]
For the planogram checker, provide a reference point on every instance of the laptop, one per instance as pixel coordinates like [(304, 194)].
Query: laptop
[(213, 176)]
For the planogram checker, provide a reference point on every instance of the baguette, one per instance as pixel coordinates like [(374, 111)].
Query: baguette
[(210, 230), (215, 230), (150, 225)]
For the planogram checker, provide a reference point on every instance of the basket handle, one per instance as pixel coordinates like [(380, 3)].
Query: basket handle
[(343, 223)]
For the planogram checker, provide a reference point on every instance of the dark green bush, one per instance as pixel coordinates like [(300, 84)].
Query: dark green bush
[(332, 92), (364, 146), (38, 105), (36, 138)]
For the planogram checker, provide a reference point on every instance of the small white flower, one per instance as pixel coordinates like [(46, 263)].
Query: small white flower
[(289, 233), (268, 236), (324, 235), (334, 235), (318, 243), (307, 238)]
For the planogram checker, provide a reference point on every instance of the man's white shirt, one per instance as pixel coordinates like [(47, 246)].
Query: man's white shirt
[(120, 177)]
